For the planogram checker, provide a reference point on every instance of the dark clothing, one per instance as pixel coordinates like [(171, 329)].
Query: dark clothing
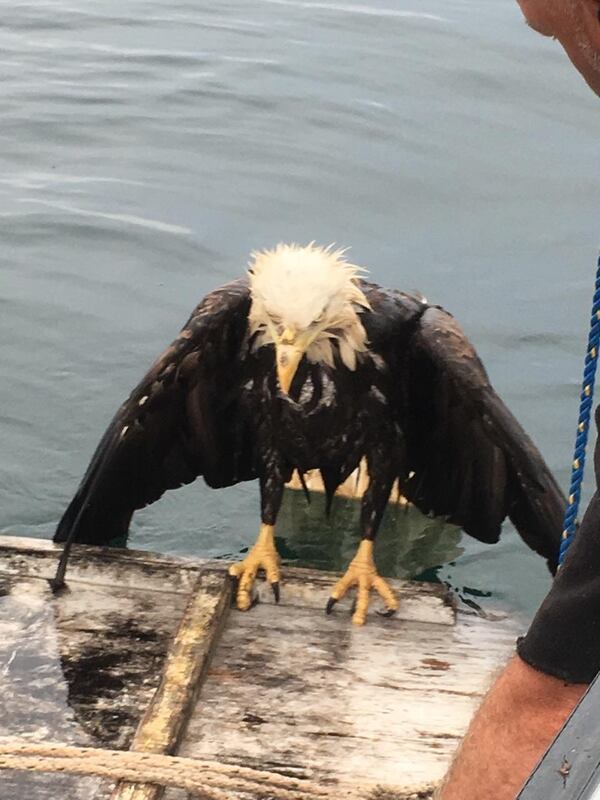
[(564, 637)]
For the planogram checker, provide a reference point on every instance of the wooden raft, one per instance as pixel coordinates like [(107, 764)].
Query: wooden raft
[(143, 652)]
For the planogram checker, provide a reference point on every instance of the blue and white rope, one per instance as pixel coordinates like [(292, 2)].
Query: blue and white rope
[(583, 425)]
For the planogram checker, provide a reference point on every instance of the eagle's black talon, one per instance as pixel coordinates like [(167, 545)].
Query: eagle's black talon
[(353, 609), (57, 587), (387, 613), (255, 601), (234, 588), (330, 604), (275, 587)]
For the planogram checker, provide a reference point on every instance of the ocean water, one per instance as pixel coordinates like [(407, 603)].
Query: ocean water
[(147, 147)]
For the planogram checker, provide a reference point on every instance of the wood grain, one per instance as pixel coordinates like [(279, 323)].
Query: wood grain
[(109, 566), (376, 711)]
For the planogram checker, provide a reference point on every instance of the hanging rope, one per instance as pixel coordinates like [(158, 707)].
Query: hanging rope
[(583, 425)]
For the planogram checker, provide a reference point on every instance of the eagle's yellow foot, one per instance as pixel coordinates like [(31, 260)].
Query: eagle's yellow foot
[(363, 572), (263, 554)]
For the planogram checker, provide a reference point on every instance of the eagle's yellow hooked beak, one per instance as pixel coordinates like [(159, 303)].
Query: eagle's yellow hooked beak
[(288, 354)]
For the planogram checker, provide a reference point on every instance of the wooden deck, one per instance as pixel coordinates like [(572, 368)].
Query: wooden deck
[(143, 652)]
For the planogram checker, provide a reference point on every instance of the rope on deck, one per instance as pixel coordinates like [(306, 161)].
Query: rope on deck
[(205, 779), (583, 424)]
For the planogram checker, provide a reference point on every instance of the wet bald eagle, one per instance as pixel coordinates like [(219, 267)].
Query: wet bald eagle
[(304, 364)]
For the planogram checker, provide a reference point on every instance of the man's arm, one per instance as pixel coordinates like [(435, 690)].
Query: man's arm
[(512, 729)]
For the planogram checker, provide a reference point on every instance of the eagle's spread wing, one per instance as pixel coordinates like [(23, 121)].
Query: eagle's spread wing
[(468, 457), (179, 422)]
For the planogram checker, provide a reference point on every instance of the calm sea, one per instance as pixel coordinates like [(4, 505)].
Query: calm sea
[(147, 147)]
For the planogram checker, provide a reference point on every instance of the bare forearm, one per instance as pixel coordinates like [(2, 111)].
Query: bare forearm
[(510, 732)]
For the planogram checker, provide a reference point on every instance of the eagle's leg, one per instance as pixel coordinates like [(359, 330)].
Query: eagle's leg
[(362, 571), (263, 554)]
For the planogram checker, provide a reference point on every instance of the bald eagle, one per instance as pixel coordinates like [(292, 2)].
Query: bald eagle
[(304, 364)]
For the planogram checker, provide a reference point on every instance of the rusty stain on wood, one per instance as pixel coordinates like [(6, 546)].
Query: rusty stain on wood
[(435, 663)]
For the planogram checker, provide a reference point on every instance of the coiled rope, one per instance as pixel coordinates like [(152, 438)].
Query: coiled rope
[(583, 424)]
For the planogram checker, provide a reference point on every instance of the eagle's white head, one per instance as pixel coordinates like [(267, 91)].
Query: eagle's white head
[(304, 301)]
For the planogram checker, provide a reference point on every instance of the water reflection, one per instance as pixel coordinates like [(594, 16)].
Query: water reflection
[(408, 543)]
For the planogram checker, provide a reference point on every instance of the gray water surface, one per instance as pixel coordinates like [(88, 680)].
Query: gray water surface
[(146, 148)]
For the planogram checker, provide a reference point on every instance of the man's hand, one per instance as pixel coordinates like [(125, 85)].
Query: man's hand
[(576, 25)]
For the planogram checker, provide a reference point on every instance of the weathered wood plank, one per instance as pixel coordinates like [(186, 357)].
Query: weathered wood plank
[(95, 650), (294, 692), (38, 558), (35, 698), (166, 717), (149, 571), (78, 668), (419, 602), (288, 690)]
